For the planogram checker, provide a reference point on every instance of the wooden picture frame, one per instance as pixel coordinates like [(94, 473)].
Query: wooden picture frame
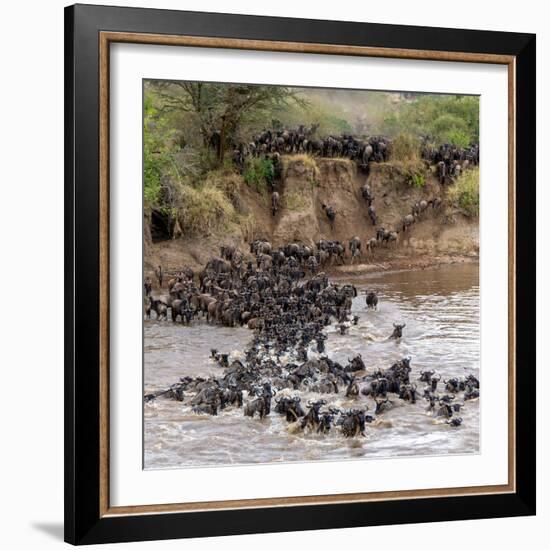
[(89, 32)]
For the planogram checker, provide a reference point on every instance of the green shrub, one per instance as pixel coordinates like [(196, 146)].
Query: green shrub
[(258, 173), (444, 118), (158, 153), (464, 193), (417, 179)]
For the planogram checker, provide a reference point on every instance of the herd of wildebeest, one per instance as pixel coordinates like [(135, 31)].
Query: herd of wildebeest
[(363, 150), (449, 161), (288, 306), (285, 297)]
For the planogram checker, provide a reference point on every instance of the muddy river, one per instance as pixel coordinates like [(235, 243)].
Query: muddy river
[(441, 310)]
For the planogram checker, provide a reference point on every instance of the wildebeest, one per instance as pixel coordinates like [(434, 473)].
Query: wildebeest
[(325, 422), (444, 410), (419, 208), (148, 286), (435, 203), (434, 381), (372, 300), (159, 273), (353, 423), (355, 248), (205, 408), (290, 407), (311, 419), (260, 405), (372, 215), (355, 364), (269, 292), (397, 330), (371, 245), (383, 405), (426, 376), (331, 214), (441, 172), (366, 193), (158, 306), (408, 392), (407, 221), (455, 422), (352, 389), (274, 203)]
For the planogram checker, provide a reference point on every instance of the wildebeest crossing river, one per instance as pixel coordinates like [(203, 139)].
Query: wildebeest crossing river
[(440, 307)]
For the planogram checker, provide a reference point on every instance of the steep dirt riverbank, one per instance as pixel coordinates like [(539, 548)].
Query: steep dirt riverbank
[(441, 236)]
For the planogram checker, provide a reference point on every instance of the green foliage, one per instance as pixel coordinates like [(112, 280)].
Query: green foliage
[(158, 157), (460, 138), (216, 113), (190, 129), (332, 124), (465, 192), (330, 118), (258, 173), (440, 118), (417, 179)]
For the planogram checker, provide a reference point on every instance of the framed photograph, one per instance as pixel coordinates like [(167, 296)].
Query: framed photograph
[(300, 274)]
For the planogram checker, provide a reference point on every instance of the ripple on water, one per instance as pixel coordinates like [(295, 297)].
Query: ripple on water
[(441, 311)]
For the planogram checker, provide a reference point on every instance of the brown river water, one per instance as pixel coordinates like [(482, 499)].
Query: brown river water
[(441, 310)]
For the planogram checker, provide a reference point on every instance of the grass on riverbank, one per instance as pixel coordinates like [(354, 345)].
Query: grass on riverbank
[(464, 193)]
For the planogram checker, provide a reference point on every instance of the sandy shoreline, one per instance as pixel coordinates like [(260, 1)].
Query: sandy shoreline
[(398, 264)]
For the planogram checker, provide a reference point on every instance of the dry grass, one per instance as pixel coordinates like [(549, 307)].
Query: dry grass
[(294, 201), (301, 163), (405, 147), (412, 172), (464, 193), (247, 227), (203, 210)]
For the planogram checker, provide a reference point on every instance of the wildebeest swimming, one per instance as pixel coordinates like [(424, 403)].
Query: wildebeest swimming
[(289, 307)]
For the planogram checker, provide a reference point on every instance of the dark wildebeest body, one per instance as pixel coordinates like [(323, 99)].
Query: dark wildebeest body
[(274, 203), (331, 214), (397, 330), (372, 215), (372, 300)]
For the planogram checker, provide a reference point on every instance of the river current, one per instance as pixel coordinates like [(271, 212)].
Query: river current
[(440, 307)]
